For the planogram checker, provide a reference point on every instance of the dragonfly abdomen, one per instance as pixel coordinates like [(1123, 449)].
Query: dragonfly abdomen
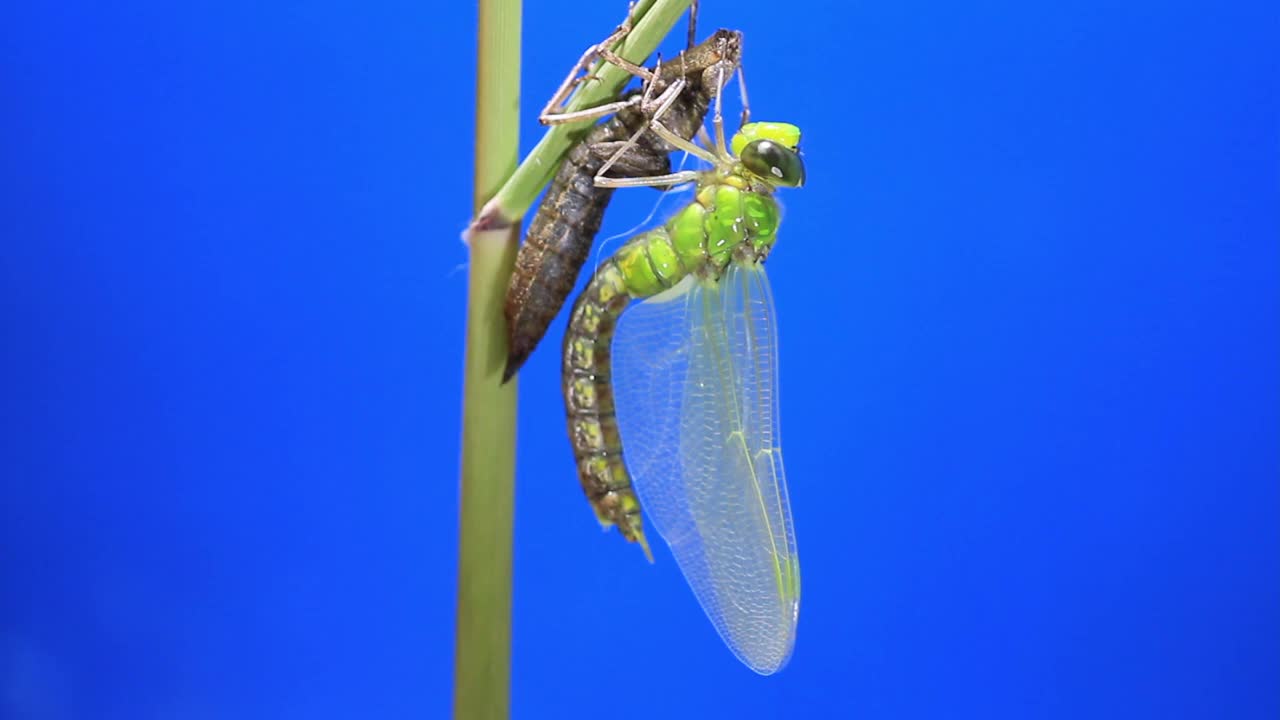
[(588, 397), (700, 239)]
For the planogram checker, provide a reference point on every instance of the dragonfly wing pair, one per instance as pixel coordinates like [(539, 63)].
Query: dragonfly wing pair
[(695, 377)]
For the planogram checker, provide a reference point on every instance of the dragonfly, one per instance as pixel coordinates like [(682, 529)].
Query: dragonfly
[(561, 233), (669, 377)]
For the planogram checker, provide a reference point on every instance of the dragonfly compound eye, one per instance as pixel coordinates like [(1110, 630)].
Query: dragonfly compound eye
[(776, 163)]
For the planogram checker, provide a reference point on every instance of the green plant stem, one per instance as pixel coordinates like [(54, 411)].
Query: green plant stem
[(652, 20), (482, 651)]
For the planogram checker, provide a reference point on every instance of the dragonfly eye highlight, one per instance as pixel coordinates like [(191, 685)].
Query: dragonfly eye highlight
[(775, 163)]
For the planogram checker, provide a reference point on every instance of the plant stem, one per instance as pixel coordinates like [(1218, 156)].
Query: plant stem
[(482, 651)]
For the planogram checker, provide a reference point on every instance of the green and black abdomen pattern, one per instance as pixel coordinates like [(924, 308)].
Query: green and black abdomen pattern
[(726, 221)]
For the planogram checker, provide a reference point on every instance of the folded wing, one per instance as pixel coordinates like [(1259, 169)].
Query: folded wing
[(695, 377)]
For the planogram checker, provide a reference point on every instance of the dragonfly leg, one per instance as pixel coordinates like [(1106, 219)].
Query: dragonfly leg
[(718, 72), (693, 24), (619, 153), (676, 178), (717, 121), (680, 143), (613, 58), (704, 137), (573, 79), (589, 113), (655, 124), (630, 164), (664, 101), (647, 101), (746, 104), (553, 112)]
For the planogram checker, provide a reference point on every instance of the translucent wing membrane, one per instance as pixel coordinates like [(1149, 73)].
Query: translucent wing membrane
[(695, 378)]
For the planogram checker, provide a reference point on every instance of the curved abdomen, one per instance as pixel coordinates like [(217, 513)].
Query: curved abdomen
[(587, 386), (700, 239)]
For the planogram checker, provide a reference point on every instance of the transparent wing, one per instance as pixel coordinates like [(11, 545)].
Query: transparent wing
[(695, 378)]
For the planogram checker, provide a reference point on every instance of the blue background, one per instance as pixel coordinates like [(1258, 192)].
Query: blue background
[(1030, 316)]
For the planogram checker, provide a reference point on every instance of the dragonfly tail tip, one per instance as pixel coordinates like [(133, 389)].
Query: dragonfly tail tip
[(644, 545)]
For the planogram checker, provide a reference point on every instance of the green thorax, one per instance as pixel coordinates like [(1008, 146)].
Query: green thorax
[(730, 218)]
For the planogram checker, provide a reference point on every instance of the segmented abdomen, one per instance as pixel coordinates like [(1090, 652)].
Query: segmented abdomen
[(588, 399), (700, 239)]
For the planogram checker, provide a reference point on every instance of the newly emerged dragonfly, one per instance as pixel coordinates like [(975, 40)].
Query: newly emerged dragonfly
[(560, 235), (676, 396)]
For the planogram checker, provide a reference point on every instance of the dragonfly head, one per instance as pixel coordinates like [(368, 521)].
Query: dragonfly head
[(770, 150)]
